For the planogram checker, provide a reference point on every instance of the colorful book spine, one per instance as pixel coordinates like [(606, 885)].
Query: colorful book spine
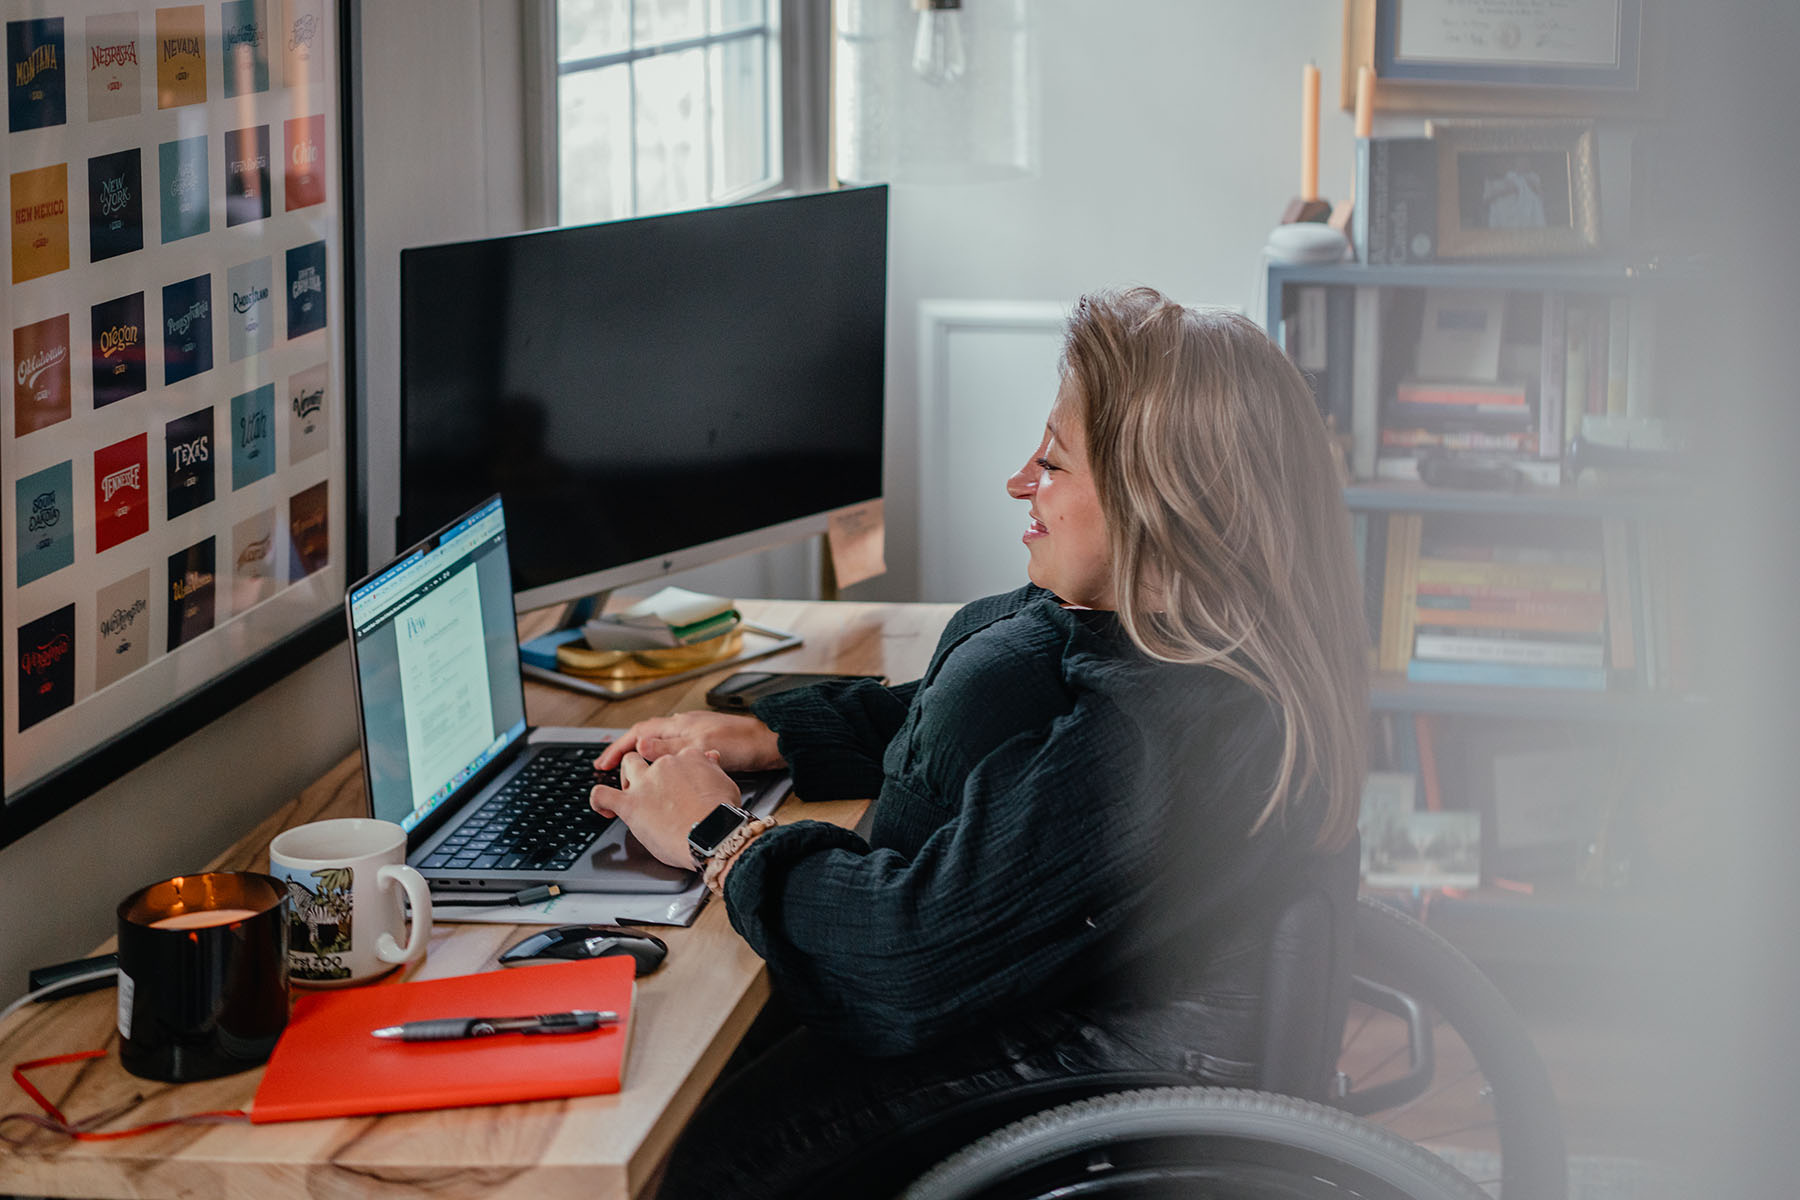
[(1553, 356), (1551, 621), (1459, 394), (1398, 590), (1618, 342), (1575, 369), (1553, 577), (1457, 644), (1365, 383), (1592, 679), (1620, 639)]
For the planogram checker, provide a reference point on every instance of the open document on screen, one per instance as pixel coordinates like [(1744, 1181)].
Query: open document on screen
[(443, 683)]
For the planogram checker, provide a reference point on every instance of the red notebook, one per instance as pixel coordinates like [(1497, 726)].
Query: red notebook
[(328, 1063)]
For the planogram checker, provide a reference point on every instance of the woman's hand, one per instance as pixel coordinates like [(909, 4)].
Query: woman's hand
[(661, 801), (740, 743)]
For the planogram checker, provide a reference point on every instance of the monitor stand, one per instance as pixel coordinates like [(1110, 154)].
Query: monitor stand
[(538, 654)]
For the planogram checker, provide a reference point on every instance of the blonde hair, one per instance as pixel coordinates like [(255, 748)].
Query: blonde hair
[(1228, 533)]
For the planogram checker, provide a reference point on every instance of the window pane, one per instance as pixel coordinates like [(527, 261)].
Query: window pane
[(740, 116), (594, 151), (736, 14), (658, 21), (671, 131), (589, 28)]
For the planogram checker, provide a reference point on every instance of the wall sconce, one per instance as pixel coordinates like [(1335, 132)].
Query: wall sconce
[(934, 91)]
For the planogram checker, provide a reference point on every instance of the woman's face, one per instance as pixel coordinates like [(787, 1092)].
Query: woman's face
[(1067, 536)]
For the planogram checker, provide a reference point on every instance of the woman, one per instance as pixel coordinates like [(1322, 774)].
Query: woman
[(1085, 806)]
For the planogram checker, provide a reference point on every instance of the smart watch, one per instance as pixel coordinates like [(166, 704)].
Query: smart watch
[(704, 838)]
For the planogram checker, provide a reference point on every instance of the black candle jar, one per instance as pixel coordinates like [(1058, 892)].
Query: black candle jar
[(203, 975)]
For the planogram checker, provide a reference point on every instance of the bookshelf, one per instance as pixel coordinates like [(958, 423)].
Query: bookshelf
[(1530, 760)]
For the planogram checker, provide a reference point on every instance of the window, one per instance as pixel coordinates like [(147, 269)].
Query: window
[(669, 104)]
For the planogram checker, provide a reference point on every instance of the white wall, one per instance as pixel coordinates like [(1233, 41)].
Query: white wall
[(1170, 141)]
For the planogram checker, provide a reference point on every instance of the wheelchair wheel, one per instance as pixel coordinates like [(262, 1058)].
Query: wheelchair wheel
[(1483, 1100), (1192, 1143)]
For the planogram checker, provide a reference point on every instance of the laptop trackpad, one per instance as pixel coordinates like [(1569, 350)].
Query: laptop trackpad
[(618, 862)]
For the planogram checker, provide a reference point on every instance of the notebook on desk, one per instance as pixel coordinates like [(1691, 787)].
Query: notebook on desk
[(488, 803), (328, 1062)]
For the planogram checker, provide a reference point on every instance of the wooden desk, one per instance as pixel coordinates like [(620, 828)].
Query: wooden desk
[(690, 1015)]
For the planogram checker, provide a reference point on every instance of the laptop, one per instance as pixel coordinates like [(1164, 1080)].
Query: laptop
[(488, 803)]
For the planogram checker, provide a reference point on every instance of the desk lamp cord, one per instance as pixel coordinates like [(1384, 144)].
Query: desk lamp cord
[(83, 1130)]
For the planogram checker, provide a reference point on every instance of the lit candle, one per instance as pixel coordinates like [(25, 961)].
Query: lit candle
[(1309, 132), (1365, 100), (203, 918)]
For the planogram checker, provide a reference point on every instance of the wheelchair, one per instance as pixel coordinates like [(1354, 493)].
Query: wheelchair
[(1326, 1118)]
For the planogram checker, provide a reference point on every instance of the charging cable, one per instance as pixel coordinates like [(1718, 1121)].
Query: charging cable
[(106, 973)]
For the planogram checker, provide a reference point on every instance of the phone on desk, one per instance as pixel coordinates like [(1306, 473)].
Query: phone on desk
[(737, 693)]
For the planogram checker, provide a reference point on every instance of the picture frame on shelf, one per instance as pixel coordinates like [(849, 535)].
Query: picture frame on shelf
[(1516, 189), (1572, 44), (1577, 77)]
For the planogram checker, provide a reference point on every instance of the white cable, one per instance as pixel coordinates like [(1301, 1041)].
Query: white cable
[(59, 985)]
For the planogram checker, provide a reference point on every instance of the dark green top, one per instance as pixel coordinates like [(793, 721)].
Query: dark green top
[(1060, 823)]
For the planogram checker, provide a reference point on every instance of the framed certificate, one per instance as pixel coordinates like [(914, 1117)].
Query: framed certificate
[(175, 435), (1544, 43)]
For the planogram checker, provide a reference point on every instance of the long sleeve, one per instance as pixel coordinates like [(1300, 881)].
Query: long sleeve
[(1039, 865), (833, 734)]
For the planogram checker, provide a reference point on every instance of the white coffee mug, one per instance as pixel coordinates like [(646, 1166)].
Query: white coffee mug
[(344, 912)]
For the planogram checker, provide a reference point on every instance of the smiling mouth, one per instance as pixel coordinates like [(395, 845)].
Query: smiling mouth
[(1035, 530)]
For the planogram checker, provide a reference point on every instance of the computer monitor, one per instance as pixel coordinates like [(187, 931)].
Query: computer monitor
[(648, 395)]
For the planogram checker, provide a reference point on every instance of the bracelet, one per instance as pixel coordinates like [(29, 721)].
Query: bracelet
[(728, 849)]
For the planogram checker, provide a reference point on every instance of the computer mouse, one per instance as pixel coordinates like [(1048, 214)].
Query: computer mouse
[(569, 942)]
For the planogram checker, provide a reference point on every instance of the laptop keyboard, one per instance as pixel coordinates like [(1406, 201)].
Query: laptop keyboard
[(540, 821)]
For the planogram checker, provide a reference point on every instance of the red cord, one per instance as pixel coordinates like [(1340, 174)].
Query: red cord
[(75, 1129)]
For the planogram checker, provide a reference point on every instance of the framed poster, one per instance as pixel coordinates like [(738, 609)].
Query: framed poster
[(1554, 43), (175, 436)]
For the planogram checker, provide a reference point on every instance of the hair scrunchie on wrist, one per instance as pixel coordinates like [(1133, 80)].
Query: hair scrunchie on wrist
[(736, 840)]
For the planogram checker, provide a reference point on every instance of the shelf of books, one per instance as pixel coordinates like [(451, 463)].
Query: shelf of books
[(1523, 529), (1490, 386)]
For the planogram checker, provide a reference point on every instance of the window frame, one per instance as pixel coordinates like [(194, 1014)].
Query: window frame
[(804, 46)]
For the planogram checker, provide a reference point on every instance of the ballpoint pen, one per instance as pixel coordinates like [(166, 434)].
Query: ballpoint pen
[(448, 1029)]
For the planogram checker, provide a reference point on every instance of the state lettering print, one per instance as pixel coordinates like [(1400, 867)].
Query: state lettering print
[(250, 325), (252, 561), (121, 492), (181, 56), (185, 209), (115, 204), (246, 175), (187, 329), (309, 532), (192, 592), (188, 450), (302, 41), (118, 349), (115, 83), (46, 666), (252, 436), (305, 289), (303, 158), (41, 394), (306, 413), (122, 633), (40, 222), (36, 86), (45, 520), (244, 42)]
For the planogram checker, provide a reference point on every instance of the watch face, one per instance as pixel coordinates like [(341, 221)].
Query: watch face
[(714, 826)]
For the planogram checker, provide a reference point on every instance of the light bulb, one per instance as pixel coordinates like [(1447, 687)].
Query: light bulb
[(938, 56)]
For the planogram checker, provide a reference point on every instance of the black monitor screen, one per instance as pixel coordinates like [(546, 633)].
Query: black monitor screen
[(639, 387)]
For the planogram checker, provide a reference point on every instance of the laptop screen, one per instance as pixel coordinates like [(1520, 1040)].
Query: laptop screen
[(437, 666)]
